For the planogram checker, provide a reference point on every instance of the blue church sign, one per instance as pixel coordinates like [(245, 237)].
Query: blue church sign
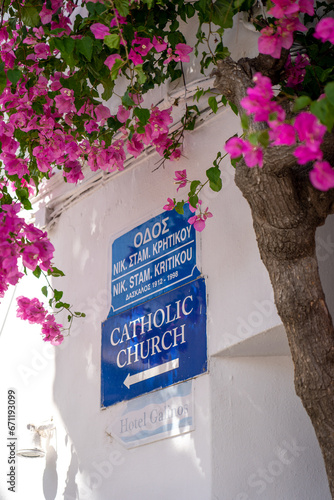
[(154, 344)]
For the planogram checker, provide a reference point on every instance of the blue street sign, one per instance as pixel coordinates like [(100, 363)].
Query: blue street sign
[(151, 259), (155, 344)]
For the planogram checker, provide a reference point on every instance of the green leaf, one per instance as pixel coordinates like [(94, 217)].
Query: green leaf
[(115, 69), (65, 305), (142, 114), (149, 3), (14, 75), (108, 86), (126, 100), (244, 121), (123, 7), (301, 102), (215, 182), (37, 272), (193, 200), (30, 15), (179, 207), (58, 295), (142, 77), (324, 110), (55, 272), (112, 41), (190, 10), (264, 138), (45, 291), (3, 81), (234, 108), (96, 8), (222, 13), (193, 186), (85, 47), (329, 91), (212, 101)]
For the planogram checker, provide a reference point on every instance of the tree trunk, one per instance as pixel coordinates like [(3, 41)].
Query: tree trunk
[(286, 211)]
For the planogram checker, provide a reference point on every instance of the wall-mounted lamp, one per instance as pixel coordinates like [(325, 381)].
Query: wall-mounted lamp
[(34, 447)]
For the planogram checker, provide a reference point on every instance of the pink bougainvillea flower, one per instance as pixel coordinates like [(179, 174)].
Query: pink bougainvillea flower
[(102, 113), (176, 154), (322, 176), (118, 19), (306, 6), (110, 61), (45, 15), (159, 44), (324, 30), (236, 147), (42, 50), (283, 134), (122, 114), (170, 205), (73, 171), (137, 98), (295, 72), (31, 310), (65, 101), (99, 30), (51, 330), (283, 8), (270, 42), (309, 128), (180, 178), (254, 157), (142, 45), (199, 221), (135, 57), (135, 146), (305, 153), (170, 57), (30, 257), (182, 50)]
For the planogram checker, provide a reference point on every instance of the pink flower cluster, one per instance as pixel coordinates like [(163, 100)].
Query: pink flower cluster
[(32, 310), (280, 35), (19, 240), (198, 220), (155, 133), (306, 127), (141, 46), (324, 30), (295, 71)]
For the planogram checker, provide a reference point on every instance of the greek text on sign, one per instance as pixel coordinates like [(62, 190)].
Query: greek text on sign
[(155, 344), (152, 258)]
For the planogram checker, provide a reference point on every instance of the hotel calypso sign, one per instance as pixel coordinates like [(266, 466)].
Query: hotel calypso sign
[(155, 333)]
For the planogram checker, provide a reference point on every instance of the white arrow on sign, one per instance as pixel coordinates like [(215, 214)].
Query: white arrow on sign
[(151, 372)]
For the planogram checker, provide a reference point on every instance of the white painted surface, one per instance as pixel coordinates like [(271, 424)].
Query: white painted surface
[(245, 407)]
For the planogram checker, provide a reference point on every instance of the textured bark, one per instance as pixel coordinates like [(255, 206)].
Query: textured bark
[(286, 211)]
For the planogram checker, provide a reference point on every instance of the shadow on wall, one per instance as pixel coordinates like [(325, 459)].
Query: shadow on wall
[(71, 489), (50, 476)]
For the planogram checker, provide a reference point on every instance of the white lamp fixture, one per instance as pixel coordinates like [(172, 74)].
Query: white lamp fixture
[(33, 442)]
